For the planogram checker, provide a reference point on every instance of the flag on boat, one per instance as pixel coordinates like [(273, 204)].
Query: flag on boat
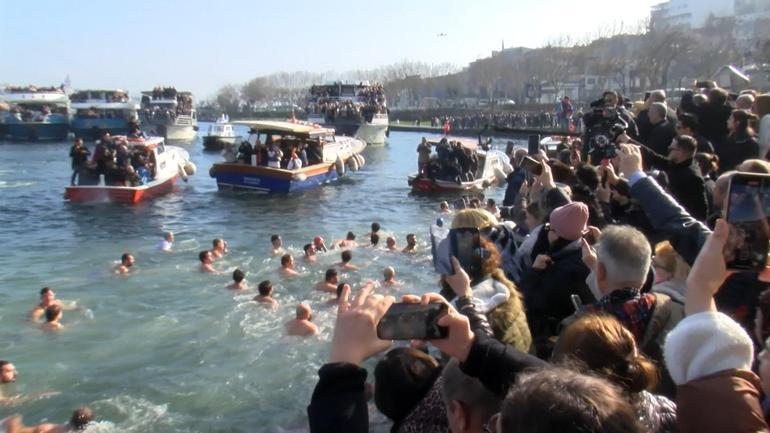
[(447, 128)]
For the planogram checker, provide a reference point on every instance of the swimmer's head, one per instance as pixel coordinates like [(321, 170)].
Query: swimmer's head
[(52, 313), (218, 244), (347, 256), (265, 288), (127, 260), (411, 239), (46, 294), (238, 275), (340, 287), (390, 242), (309, 249), (331, 276), (375, 227), (350, 236), (276, 241), (304, 312), (318, 241), (444, 206), (205, 256), (169, 236), (389, 273), (81, 418), (8, 372), (287, 260), (374, 238)]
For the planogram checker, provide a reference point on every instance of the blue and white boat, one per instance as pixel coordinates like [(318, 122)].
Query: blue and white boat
[(36, 113), (169, 113), (101, 110), (328, 158)]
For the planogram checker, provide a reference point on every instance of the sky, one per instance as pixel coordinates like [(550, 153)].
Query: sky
[(202, 45)]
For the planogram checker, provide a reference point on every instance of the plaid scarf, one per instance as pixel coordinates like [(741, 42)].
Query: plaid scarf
[(630, 307)]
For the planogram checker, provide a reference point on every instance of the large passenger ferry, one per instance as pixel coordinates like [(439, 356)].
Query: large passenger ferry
[(355, 110), (98, 111), (36, 113), (169, 113)]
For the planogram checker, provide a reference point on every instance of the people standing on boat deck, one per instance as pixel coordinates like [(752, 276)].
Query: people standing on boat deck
[(53, 315), (287, 266), (329, 284), (276, 243), (206, 258), (220, 248), (239, 281), (134, 131), (294, 162), (274, 155), (266, 294), (126, 261), (345, 264), (390, 244), (423, 155), (99, 156), (389, 277), (301, 325), (564, 112), (348, 242), (411, 243), (310, 254), (244, 152), (167, 242), (79, 154), (79, 421)]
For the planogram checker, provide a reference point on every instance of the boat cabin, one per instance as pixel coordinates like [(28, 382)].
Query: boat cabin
[(221, 130), (280, 144)]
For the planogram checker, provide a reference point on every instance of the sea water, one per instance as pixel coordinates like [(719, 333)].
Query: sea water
[(169, 349)]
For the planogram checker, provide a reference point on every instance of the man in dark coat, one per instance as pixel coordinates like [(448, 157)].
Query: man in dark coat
[(662, 129)]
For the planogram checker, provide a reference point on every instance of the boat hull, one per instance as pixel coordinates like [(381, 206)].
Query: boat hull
[(212, 142), (232, 176), (37, 131), (119, 194), (373, 133), (423, 184), (92, 129)]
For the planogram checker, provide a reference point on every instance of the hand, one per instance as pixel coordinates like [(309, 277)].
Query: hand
[(524, 189), (460, 282), (623, 138), (630, 159), (603, 193), (588, 255), (574, 156), (541, 262), (355, 331), (708, 273), (546, 177), (460, 337), (612, 177)]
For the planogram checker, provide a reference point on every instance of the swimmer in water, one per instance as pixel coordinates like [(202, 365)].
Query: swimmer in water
[(348, 242), (336, 299), (277, 245), (329, 284), (287, 266), (126, 261), (390, 244), (310, 254), (79, 422), (345, 264), (239, 281), (47, 298), (389, 277), (301, 325), (411, 243), (206, 260), (8, 375), (444, 207), (374, 238), (375, 229), (219, 248), (53, 315), (167, 242), (266, 294), (319, 244)]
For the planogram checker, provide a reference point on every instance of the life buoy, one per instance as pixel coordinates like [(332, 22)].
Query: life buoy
[(189, 168), (340, 166), (353, 163)]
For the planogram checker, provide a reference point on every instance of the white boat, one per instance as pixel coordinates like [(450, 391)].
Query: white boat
[(355, 110), (96, 111), (220, 135), (169, 113), (36, 113)]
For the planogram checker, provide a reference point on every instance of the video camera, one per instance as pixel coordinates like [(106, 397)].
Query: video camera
[(603, 126)]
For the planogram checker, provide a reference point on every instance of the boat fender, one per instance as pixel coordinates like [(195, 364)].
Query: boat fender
[(340, 166), (190, 168), (353, 163), (500, 175), (361, 160), (182, 173), (300, 177)]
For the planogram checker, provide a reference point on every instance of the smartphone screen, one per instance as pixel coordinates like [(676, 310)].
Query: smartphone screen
[(405, 321), (532, 165), (533, 145), (464, 245), (749, 239)]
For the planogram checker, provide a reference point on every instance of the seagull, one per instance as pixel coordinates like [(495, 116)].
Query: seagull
[(441, 35)]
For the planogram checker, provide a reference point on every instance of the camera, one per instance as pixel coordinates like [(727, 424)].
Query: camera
[(603, 126)]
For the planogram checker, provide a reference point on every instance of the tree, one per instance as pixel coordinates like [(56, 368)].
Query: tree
[(228, 99)]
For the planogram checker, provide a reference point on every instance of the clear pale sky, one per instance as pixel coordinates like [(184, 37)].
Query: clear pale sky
[(202, 45)]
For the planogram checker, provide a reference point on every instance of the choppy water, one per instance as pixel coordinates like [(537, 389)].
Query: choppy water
[(168, 349)]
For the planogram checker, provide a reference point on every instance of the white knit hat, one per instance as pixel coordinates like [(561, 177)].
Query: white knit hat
[(704, 344)]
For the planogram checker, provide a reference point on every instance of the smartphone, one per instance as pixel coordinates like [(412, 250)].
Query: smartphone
[(532, 165), (439, 248), (748, 242), (464, 245), (533, 145), (405, 321)]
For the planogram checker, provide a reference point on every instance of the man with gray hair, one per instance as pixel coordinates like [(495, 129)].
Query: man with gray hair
[(662, 132), (643, 119), (469, 404)]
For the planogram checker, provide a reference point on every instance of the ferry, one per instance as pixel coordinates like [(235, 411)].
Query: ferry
[(493, 168), (169, 113), (169, 162), (329, 157), (220, 135), (355, 110), (101, 110), (36, 113)]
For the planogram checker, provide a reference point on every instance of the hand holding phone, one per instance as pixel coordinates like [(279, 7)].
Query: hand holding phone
[(409, 321), (465, 244), (532, 165), (748, 241)]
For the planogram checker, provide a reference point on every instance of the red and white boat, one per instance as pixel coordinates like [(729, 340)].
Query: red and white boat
[(170, 162), (493, 168)]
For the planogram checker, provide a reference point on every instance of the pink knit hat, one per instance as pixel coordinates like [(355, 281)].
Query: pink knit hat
[(569, 221)]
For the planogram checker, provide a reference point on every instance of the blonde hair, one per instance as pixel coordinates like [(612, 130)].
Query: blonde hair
[(671, 261)]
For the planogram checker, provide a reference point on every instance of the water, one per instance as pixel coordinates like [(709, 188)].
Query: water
[(168, 349)]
